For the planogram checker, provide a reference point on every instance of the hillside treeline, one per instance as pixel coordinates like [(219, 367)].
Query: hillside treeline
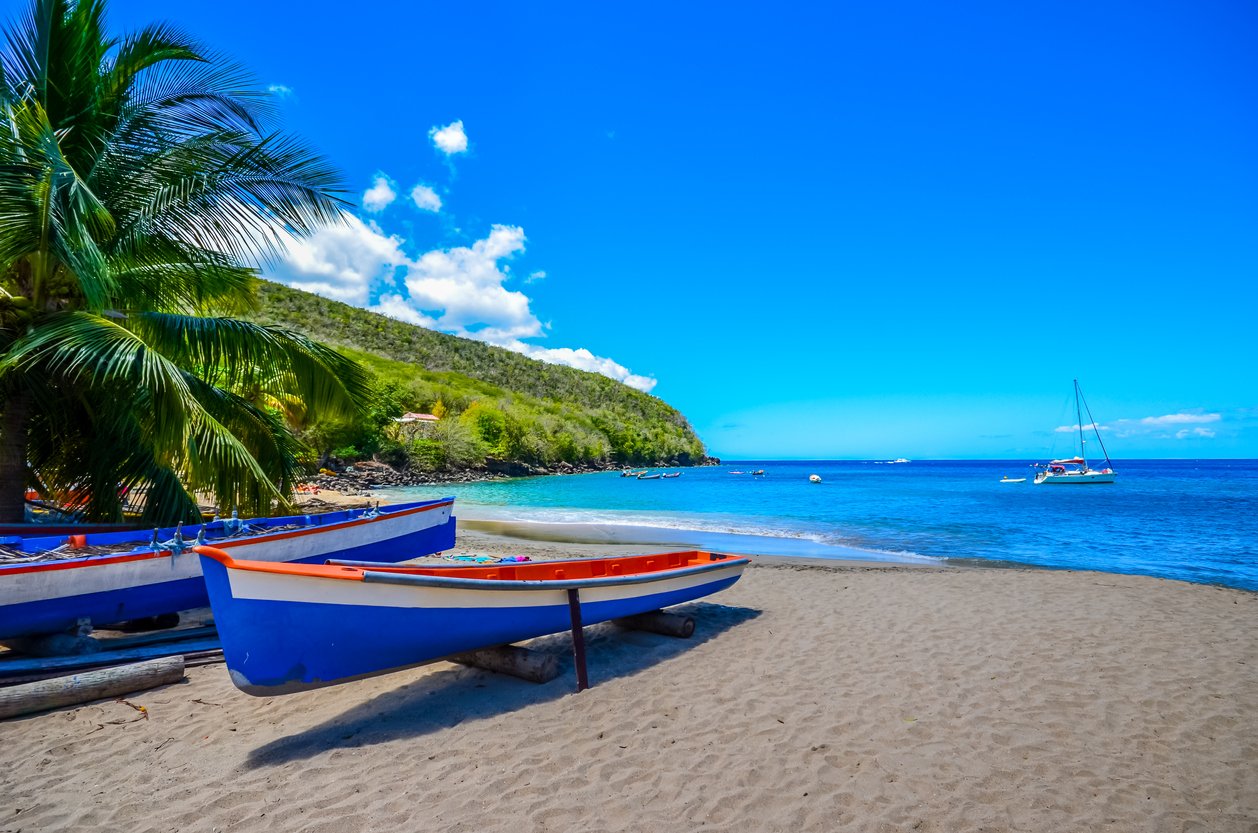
[(496, 407)]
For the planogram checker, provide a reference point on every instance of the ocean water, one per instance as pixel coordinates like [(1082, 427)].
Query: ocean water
[(1195, 520)]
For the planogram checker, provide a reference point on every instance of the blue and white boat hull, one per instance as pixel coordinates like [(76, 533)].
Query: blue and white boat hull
[(49, 596), (284, 632)]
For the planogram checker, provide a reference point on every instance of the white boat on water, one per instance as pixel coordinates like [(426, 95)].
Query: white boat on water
[(1076, 470)]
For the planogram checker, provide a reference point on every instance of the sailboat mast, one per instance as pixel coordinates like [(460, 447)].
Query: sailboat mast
[(1079, 422), (1092, 420)]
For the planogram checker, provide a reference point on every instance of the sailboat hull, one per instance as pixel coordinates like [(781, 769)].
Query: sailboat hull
[(1074, 478)]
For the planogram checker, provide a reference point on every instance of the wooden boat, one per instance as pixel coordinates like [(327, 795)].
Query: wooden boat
[(293, 627), (51, 584)]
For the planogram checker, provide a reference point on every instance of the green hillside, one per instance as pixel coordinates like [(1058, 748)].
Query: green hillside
[(495, 404)]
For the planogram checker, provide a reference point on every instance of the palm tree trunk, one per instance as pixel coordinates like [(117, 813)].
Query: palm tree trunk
[(13, 423)]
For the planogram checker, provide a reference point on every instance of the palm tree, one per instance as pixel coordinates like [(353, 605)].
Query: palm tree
[(138, 182)]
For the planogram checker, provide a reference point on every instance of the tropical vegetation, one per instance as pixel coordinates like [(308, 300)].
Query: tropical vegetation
[(139, 180), (496, 407)]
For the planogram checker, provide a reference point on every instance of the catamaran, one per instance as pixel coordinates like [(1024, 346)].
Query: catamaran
[(1073, 470)]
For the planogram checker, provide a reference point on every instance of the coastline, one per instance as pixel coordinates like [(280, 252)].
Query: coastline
[(815, 695)]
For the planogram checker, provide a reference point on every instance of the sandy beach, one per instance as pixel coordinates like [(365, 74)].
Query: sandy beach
[(814, 696)]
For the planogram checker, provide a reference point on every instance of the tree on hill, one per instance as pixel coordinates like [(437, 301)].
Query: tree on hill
[(137, 180)]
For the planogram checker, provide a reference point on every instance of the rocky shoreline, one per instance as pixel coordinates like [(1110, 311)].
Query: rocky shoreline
[(363, 478)]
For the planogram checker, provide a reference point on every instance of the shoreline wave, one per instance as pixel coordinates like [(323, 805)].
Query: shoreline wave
[(743, 543)]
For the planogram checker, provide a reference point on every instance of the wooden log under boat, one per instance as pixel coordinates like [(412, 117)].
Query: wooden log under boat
[(514, 661)]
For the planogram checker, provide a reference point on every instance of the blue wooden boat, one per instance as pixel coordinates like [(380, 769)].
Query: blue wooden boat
[(293, 627), (58, 583)]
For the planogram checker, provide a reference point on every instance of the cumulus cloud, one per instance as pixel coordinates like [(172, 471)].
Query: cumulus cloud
[(465, 283), (395, 306), (534, 277), (449, 139), (340, 261), (380, 195), (425, 198), (459, 290), (583, 359)]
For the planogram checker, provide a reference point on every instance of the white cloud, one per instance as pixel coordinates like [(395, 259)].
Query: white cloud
[(395, 306), (465, 284), (425, 198), (380, 195), (1180, 419), (459, 290), (280, 90), (341, 261), (534, 277), (1185, 433), (583, 359), (449, 139)]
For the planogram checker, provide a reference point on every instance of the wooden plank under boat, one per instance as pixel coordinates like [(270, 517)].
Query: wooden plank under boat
[(58, 583), (293, 627)]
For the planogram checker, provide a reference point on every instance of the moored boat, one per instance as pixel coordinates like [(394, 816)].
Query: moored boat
[(645, 476), (293, 627), (1076, 470), (668, 475), (51, 584)]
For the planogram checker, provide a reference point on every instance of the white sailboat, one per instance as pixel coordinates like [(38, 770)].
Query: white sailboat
[(1075, 470)]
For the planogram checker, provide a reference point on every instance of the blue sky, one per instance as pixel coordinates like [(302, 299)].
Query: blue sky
[(839, 231)]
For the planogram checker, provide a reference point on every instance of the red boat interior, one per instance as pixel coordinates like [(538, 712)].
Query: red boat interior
[(529, 571)]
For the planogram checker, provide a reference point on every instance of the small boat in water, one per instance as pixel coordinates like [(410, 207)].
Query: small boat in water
[(629, 473), (59, 583), (293, 627), (1013, 480), (1075, 470), (645, 476), (666, 475), (814, 478), (758, 473)]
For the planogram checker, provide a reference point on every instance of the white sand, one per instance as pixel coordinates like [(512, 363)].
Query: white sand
[(811, 698)]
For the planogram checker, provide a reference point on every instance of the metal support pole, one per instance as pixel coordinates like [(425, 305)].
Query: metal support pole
[(578, 638)]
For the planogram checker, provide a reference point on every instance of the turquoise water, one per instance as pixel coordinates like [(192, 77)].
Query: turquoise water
[(1195, 520)]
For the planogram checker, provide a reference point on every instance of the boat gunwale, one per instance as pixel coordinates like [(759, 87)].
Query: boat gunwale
[(720, 561), (145, 552)]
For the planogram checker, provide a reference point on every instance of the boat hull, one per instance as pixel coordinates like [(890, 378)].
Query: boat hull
[(1074, 478), (51, 596), (286, 633)]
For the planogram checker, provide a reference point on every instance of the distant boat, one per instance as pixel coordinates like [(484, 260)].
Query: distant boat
[(293, 627), (1075, 470), (1013, 480), (900, 460), (673, 474), (53, 584), (757, 473), (630, 473), (814, 478), (645, 476), (738, 472)]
